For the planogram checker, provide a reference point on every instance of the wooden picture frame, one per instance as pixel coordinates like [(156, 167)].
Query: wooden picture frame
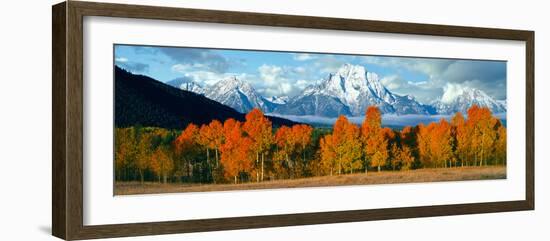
[(67, 123)]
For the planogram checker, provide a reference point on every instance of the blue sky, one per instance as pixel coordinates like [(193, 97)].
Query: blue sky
[(288, 73)]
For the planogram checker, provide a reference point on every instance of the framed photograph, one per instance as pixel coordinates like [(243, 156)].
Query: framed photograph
[(171, 120)]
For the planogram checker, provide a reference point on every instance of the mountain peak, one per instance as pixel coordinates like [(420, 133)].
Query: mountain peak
[(350, 90), (186, 83), (238, 94), (458, 98), (232, 80), (350, 69)]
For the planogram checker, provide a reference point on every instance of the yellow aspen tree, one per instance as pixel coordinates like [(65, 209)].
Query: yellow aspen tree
[(259, 129), (370, 131)]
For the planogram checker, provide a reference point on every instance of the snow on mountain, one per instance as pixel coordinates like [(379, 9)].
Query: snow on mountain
[(503, 103), (350, 91), (464, 98), (187, 84), (280, 100), (238, 95)]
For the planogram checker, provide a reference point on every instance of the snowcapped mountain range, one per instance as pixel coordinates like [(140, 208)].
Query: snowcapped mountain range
[(237, 94), (349, 91), (187, 84), (467, 98)]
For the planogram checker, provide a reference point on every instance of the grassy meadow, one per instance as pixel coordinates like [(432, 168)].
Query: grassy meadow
[(387, 177)]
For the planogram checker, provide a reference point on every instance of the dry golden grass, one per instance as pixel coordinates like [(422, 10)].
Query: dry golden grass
[(385, 177)]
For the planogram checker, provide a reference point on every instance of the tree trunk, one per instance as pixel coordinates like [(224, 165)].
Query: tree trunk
[(257, 172), (378, 168), (366, 165), (482, 149), (217, 161), (141, 175), (235, 179), (208, 156), (263, 159), (304, 159), (188, 169), (287, 161), (164, 178)]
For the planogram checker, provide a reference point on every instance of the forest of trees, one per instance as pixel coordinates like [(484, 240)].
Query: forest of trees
[(253, 151)]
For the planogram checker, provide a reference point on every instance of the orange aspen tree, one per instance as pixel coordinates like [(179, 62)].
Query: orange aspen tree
[(235, 152), (161, 163), (352, 148), (409, 144), (500, 145), (259, 129), (379, 149), (424, 140), (187, 142), (462, 137), (286, 145), (328, 153), (346, 137), (216, 139), (211, 137), (204, 139), (482, 124), (406, 158), (440, 143), (395, 159), (370, 135), (338, 139)]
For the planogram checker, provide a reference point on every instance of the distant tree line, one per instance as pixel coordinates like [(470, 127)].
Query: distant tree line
[(252, 151)]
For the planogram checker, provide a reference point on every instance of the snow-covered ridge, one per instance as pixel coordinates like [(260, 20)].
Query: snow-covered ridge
[(280, 100), (348, 91), (187, 84), (464, 99)]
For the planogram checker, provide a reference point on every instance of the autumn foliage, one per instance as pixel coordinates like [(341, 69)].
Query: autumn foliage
[(254, 150)]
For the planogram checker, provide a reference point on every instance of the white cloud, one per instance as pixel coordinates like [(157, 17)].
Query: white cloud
[(270, 73), (300, 70), (302, 84), (121, 59), (488, 76), (418, 83), (304, 57), (184, 68), (391, 82), (451, 91), (209, 78), (327, 64), (286, 87)]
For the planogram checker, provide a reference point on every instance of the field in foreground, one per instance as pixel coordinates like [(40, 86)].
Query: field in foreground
[(386, 177)]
